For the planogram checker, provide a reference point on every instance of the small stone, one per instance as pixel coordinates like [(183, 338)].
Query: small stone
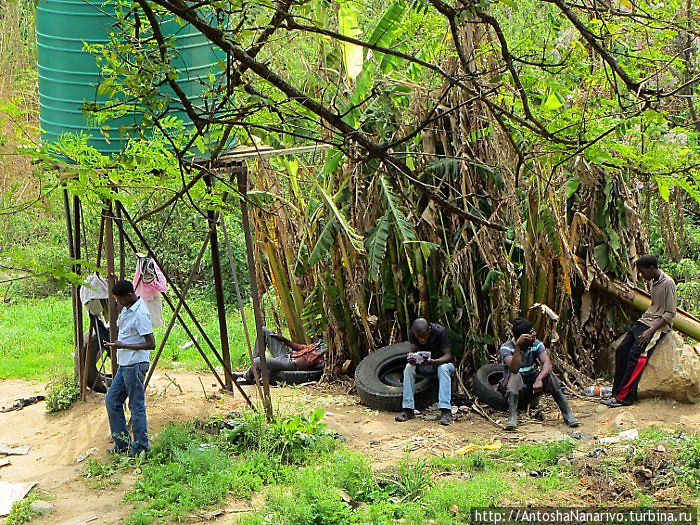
[(87, 454), (41, 507), (600, 409), (625, 420), (563, 462)]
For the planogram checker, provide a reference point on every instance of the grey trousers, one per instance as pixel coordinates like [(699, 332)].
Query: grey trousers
[(281, 360), (514, 383)]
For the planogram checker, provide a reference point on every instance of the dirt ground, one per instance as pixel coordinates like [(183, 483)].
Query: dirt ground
[(57, 441)]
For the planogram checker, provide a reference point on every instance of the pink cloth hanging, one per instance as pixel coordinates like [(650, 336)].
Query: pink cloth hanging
[(149, 280)]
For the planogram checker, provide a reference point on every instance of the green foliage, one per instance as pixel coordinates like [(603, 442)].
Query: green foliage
[(410, 482), (343, 490), (290, 439), (540, 455), (35, 338), (188, 470), (104, 475), (61, 392), (689, 468), (21, 512), (33, 242)]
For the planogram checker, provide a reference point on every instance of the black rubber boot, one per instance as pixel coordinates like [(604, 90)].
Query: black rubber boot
[(563, 405), (405, 415), (512, 423)]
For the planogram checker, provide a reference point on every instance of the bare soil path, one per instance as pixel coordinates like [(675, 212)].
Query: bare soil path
[(57, 441)]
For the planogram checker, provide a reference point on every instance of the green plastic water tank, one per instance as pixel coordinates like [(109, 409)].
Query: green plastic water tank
[(69, 76)]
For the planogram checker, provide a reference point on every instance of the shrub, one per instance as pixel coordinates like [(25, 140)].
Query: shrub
[(290, 438), (61, 392)]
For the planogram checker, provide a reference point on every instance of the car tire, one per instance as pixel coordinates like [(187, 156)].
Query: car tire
[(484, 386), (295, 377), (379, 380)]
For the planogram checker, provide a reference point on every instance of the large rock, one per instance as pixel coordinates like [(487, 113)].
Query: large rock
[(673, 370)]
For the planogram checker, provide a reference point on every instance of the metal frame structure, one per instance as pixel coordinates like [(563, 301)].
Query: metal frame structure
[(115, 216)]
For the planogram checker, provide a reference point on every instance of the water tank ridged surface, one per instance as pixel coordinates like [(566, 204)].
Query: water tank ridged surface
[(69, 76)]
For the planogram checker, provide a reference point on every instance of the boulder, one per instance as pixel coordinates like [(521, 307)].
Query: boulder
[(672, 372)]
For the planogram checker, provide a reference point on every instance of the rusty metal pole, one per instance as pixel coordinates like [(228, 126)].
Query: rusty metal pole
[(242, 176), (219, 290), (78, 303), (111, 279), (74, 300), (122, 251)]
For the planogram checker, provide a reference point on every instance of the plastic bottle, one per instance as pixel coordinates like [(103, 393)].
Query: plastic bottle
[(597, 391)]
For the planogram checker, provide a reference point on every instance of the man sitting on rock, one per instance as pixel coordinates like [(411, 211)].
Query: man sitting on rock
[(633, 354), (432, 339), (523, 379)]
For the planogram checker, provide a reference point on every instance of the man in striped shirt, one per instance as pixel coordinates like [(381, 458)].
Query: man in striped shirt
[(523, 379)]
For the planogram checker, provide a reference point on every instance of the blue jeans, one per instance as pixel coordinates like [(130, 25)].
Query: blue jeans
[(128, 382), (444, 373)]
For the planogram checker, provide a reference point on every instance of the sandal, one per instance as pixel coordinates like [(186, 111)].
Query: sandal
[(612, 402)]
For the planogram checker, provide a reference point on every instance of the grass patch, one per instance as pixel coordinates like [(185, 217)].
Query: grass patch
[(105, 474), (36, 338), (306, 477), (196, 466), (21, 511)]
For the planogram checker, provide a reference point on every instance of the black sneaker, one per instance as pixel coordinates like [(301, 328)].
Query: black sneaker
[(405, 415)]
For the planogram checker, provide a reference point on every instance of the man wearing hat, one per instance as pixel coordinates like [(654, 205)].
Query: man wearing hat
[(523, 379)]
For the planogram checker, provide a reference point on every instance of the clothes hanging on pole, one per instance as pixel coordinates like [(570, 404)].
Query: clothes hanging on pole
[(155, 307), (149, 284), (92, 292)]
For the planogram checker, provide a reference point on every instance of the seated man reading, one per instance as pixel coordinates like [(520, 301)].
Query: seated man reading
[(430, 344), (283, 354), (523, 379)]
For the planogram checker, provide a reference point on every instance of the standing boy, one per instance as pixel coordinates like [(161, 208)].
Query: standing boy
[(135, 339)]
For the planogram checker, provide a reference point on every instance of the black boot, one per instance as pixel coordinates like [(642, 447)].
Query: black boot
[(563, 405), (512, 423)]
